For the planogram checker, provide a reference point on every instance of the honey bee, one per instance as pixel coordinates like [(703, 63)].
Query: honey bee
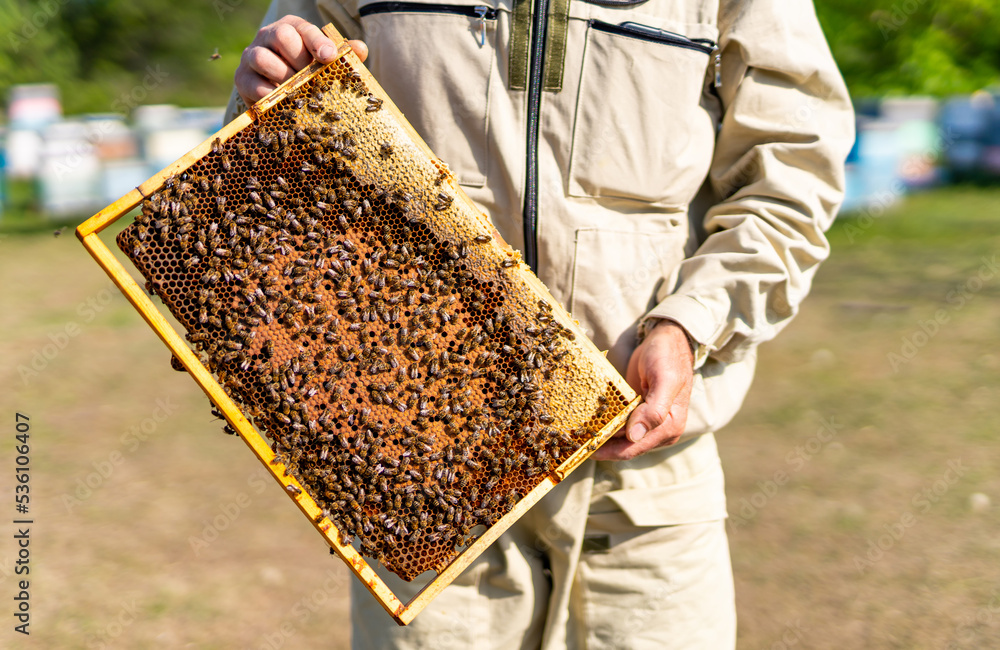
[(443, 201), (217, 184)]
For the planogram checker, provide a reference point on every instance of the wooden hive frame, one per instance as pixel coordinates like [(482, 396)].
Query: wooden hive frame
[(401, 612)]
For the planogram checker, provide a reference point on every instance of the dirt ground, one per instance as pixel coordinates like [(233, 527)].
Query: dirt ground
[(862, 472)]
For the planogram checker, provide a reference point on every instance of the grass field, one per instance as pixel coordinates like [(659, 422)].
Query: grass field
[(878, 410), (859, 472)]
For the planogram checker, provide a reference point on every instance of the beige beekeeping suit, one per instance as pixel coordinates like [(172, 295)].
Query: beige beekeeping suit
[(676, 181)]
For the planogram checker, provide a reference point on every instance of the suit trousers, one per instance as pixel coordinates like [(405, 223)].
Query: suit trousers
[(663, 587)]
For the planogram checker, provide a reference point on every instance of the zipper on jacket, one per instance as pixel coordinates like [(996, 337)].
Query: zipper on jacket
[(615, 3), (472, 11), (654, 35), (539, 23), (717, 60), (481, 12)]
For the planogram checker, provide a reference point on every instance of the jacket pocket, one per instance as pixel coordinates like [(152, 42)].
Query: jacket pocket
[(681, 484), (642, 119), (615, 278), (442, 91)]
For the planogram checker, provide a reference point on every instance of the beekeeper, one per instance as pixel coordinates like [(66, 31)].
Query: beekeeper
[(668, 169)]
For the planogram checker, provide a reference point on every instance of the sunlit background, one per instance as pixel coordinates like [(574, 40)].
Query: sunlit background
[(862, 473)]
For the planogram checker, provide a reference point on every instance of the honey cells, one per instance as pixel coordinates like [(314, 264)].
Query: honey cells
[(379, 337)]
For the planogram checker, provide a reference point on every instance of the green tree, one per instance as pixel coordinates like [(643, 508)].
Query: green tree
[(932, 47), (102, 53)]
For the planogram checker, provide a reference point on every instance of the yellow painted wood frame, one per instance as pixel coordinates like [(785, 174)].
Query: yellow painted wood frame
[(88, 234)]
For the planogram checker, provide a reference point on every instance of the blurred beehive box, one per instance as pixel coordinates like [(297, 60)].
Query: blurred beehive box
[(361, 325)]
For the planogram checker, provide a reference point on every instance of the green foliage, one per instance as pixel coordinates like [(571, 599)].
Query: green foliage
[(931, 47), (112, 55)]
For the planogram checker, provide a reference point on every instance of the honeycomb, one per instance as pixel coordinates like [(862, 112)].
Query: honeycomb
[(374, 329)]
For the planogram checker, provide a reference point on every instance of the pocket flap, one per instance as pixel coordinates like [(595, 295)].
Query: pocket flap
[(702, 498)]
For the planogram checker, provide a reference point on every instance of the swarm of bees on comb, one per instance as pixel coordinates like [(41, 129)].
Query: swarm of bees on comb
[(372, 327)]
